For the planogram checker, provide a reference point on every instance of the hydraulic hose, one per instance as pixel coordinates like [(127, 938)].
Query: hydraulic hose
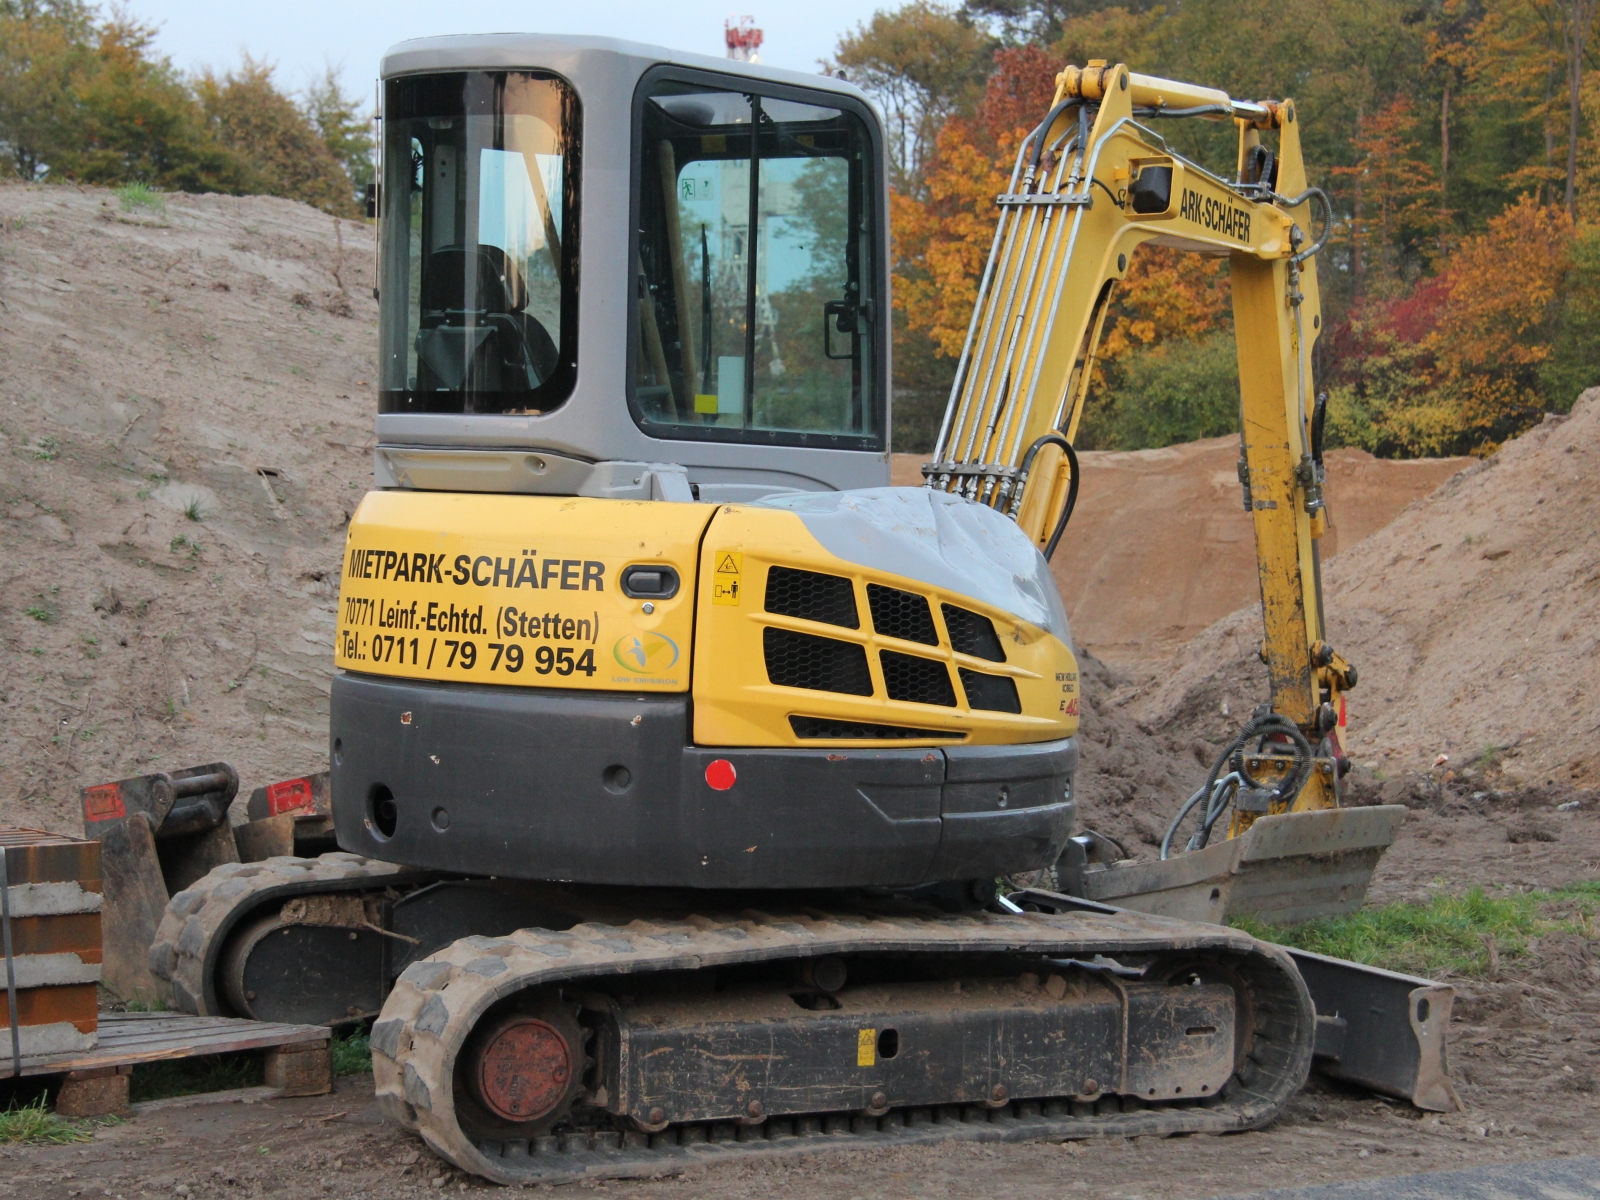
[(1055, 439), (1221, 790)]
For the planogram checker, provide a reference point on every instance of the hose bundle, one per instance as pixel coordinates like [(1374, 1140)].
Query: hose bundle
[(1220, 790)]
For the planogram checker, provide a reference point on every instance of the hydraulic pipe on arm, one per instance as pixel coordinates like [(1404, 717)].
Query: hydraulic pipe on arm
[(1092, 183)]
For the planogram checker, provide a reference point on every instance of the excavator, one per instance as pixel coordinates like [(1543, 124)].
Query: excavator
[(674, 754)]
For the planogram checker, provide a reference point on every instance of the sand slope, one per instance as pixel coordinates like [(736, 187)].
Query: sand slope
[(1472, 618), (151, 364)]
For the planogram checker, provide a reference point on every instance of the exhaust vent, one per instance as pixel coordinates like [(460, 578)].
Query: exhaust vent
[(993, 693), (801, 660), (822, 728), (812, 596), (918, 680), (902, 615), (972, 633)]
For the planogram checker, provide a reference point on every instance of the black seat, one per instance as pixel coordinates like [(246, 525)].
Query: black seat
[(485, 341)]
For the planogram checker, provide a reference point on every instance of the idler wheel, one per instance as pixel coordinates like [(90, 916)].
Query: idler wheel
[(522, 1070)]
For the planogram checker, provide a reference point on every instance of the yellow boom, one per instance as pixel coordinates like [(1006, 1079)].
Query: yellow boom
[(1090, 185)]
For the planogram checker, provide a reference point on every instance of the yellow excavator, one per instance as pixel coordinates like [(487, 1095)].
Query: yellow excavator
[(674, 754)]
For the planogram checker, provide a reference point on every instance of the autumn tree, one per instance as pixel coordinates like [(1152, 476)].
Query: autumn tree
[(923, 63), (287, 156)]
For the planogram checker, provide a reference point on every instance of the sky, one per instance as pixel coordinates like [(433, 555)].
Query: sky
[(303, 36)]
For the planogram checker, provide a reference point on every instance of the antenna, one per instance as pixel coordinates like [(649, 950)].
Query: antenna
[(743, 38)]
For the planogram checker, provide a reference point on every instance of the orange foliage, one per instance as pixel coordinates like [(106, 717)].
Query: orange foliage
[(1167, 293), (1394, 194), (1493, 333), (942, 243)]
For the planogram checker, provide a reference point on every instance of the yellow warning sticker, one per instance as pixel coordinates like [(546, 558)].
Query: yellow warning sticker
[(866, 1048), (725, 577)]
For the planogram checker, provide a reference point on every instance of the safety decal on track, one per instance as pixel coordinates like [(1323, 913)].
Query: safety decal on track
[(725, 578), (866, 1048)]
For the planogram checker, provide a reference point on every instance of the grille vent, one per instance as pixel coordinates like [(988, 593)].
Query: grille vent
[(900, 614), (823, 727), (919, 680), (801, 660), (812, 596), (993, 693), (972, 633)]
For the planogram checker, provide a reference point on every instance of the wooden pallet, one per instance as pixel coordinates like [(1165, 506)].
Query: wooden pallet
[(95, 1082)]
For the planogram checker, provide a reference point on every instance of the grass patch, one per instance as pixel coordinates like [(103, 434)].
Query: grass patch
[(351, 1055), (1446, 935), (191, 1076), (141, 195), (35, 1125)]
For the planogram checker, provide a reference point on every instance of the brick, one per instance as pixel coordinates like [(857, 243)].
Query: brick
[(301, 1070), (94, 1093)]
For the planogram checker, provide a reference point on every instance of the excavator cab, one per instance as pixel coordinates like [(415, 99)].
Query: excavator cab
[(605, 272)]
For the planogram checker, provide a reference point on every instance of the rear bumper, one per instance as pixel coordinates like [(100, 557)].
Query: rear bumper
[(604, 788)]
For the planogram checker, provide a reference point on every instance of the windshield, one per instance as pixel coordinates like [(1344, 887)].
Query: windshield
[(479, 272), (757, 291)]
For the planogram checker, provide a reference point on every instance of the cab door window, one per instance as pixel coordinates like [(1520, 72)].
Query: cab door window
[(755, 272)]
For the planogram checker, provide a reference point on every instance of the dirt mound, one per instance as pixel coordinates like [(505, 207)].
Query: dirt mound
[(1160, 546), (1472, 619), (185, 416)]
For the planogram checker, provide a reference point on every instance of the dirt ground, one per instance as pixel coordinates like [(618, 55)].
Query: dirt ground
[(216, 361)]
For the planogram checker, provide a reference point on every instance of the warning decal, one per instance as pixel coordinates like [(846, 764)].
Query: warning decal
[(866, 1047), (726, 577)]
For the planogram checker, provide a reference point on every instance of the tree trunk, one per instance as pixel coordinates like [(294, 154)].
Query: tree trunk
[(1444, 154), (1577, 21)]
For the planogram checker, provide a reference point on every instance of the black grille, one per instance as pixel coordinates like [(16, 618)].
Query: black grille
[(919, 680), (821, 664), (972, 633), (811, 596), (822, 727), (996, 693), (900, 614)]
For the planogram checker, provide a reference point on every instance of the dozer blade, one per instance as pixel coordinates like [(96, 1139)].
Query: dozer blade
[(1284, 869), (1381, 1029)]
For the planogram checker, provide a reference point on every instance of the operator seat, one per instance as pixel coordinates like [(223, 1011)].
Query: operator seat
[(485, 342)]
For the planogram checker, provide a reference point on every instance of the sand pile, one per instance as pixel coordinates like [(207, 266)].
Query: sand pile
[(1472, 618), (1160, 546), (185, 425)]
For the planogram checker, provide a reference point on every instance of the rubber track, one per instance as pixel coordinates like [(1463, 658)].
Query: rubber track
[(437, 1001), (198, 919)]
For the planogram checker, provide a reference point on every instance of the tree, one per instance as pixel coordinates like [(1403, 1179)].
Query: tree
[(1395, 193), (287, 156), (345, 129), (1575, 18), (923, 64)]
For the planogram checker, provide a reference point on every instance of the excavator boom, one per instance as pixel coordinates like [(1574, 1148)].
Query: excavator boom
[(1092, 184)]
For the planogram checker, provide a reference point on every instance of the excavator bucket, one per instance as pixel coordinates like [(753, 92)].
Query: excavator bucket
[(1284, 869), (158, 834), (293, 816)]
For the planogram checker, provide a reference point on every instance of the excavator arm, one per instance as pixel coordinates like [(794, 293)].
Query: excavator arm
[(1091, 184)]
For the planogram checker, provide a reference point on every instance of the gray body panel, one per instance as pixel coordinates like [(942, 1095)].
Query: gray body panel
[(600, 447), (604, 787)]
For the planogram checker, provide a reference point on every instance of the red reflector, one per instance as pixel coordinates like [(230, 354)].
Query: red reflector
[(720, 775)]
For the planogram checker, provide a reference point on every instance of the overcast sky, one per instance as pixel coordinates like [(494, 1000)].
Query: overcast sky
[(300, 36)]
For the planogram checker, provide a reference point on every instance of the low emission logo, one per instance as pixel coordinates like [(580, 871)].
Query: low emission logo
[(645, 653)]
